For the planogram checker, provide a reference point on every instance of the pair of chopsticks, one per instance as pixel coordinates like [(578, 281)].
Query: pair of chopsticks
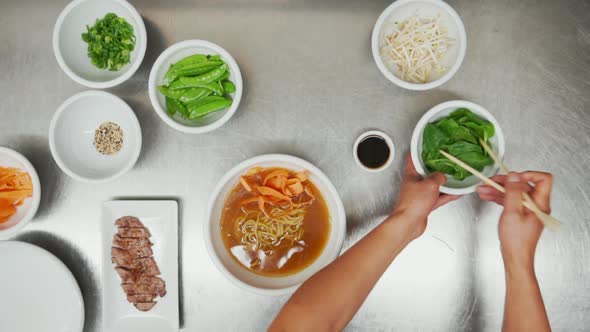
[(547, 220)]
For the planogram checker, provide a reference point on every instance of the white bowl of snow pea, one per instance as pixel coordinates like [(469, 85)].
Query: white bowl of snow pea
[(456, 127), (195, 86)]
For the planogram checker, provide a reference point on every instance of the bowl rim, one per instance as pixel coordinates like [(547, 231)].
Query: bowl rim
[(389, 143), (340, 228), (4, 234), (142, 34), (418, 86), (56, 117), (153, 92), (418, 129)]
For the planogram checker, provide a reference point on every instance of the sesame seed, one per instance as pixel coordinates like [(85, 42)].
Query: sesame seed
[(108, 138)]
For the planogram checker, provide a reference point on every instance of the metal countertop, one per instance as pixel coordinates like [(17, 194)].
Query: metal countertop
[(311, 87)]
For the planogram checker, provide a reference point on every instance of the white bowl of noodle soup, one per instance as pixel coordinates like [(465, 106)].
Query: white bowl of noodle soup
[(244, 277)]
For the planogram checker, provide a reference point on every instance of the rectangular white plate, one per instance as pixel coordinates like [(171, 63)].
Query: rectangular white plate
[(161, 218)]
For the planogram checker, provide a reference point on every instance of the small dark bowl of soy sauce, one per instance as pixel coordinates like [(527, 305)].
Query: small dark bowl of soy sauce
[(373, 151)]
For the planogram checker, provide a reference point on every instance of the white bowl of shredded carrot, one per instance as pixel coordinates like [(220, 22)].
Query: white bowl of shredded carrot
[(20, 192)]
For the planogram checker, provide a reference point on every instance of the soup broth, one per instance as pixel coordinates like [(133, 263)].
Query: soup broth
[(301, 241)]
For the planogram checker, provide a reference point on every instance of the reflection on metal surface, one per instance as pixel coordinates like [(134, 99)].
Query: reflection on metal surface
[(308, 63)]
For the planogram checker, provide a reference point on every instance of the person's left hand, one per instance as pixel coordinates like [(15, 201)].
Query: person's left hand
[(418, 197)]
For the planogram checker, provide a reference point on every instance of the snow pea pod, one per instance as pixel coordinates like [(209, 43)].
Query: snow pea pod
[(190, 70), (189, 60), (225, 76), (214, 87), (198, 81), (215, 57), (193, 94), (173, 106), (209, 99), (175, 94), (208, 108), (228, 87)]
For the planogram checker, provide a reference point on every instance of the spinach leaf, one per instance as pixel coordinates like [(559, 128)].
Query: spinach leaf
[(455, 131), (458, 134), (434, 138)]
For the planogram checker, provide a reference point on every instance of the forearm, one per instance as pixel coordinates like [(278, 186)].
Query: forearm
[(329, 299), (524, 309)]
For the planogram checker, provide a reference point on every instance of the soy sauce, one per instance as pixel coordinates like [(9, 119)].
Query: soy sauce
[(373, 151)]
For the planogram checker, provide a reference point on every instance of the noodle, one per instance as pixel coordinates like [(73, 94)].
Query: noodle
[(275, 221), (259, 231)]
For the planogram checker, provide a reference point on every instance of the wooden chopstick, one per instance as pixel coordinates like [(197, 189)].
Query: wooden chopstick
[(546, 219)]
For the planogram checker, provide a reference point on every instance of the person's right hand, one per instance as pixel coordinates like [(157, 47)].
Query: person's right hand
[(519, 228)]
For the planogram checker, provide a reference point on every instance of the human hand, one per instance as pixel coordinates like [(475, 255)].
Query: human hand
[(418, 197), (519, 228)]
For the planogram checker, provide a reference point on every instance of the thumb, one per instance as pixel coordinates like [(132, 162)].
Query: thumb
[(438, 177), (513, 197)]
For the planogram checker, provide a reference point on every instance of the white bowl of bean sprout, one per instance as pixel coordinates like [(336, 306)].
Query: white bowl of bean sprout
[(94, 136), (419, 44)]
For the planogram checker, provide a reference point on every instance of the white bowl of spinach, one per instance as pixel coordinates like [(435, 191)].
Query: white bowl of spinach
[(456, 127), (195, 86)]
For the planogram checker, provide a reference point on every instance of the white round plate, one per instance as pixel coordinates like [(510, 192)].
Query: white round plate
[(401, 10), (71, 136), (172, 55), (241, 276), (454, 186), (71, 51), (25, 212), (39, 293)]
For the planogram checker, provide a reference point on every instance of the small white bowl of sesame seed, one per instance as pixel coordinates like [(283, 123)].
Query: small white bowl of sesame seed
[(94, 136)]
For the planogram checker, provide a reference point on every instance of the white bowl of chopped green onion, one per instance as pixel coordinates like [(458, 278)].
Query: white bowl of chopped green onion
[(195, 86), (419, 44), (99, 44)]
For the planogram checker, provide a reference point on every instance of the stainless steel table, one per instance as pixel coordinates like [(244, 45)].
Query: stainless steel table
[(308, 64)]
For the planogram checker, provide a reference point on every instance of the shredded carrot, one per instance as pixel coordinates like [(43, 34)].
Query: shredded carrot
[(15, 187), (267, 191), (6, 208), (278, 173), (253, 170), (302, 176), (279, 188), (245, 184), (261, 205), (295, 188), (309, 192), (249, 200), (276, 182)]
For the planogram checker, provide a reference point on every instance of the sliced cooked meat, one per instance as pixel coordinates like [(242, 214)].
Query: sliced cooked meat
[(144, 306), (127, 276), (133, 289), (141, 298), (130, 243), (128, 221), (132, 253), (148, 280), (123, 261), (133, 256), (145, 266), (133, 232)]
